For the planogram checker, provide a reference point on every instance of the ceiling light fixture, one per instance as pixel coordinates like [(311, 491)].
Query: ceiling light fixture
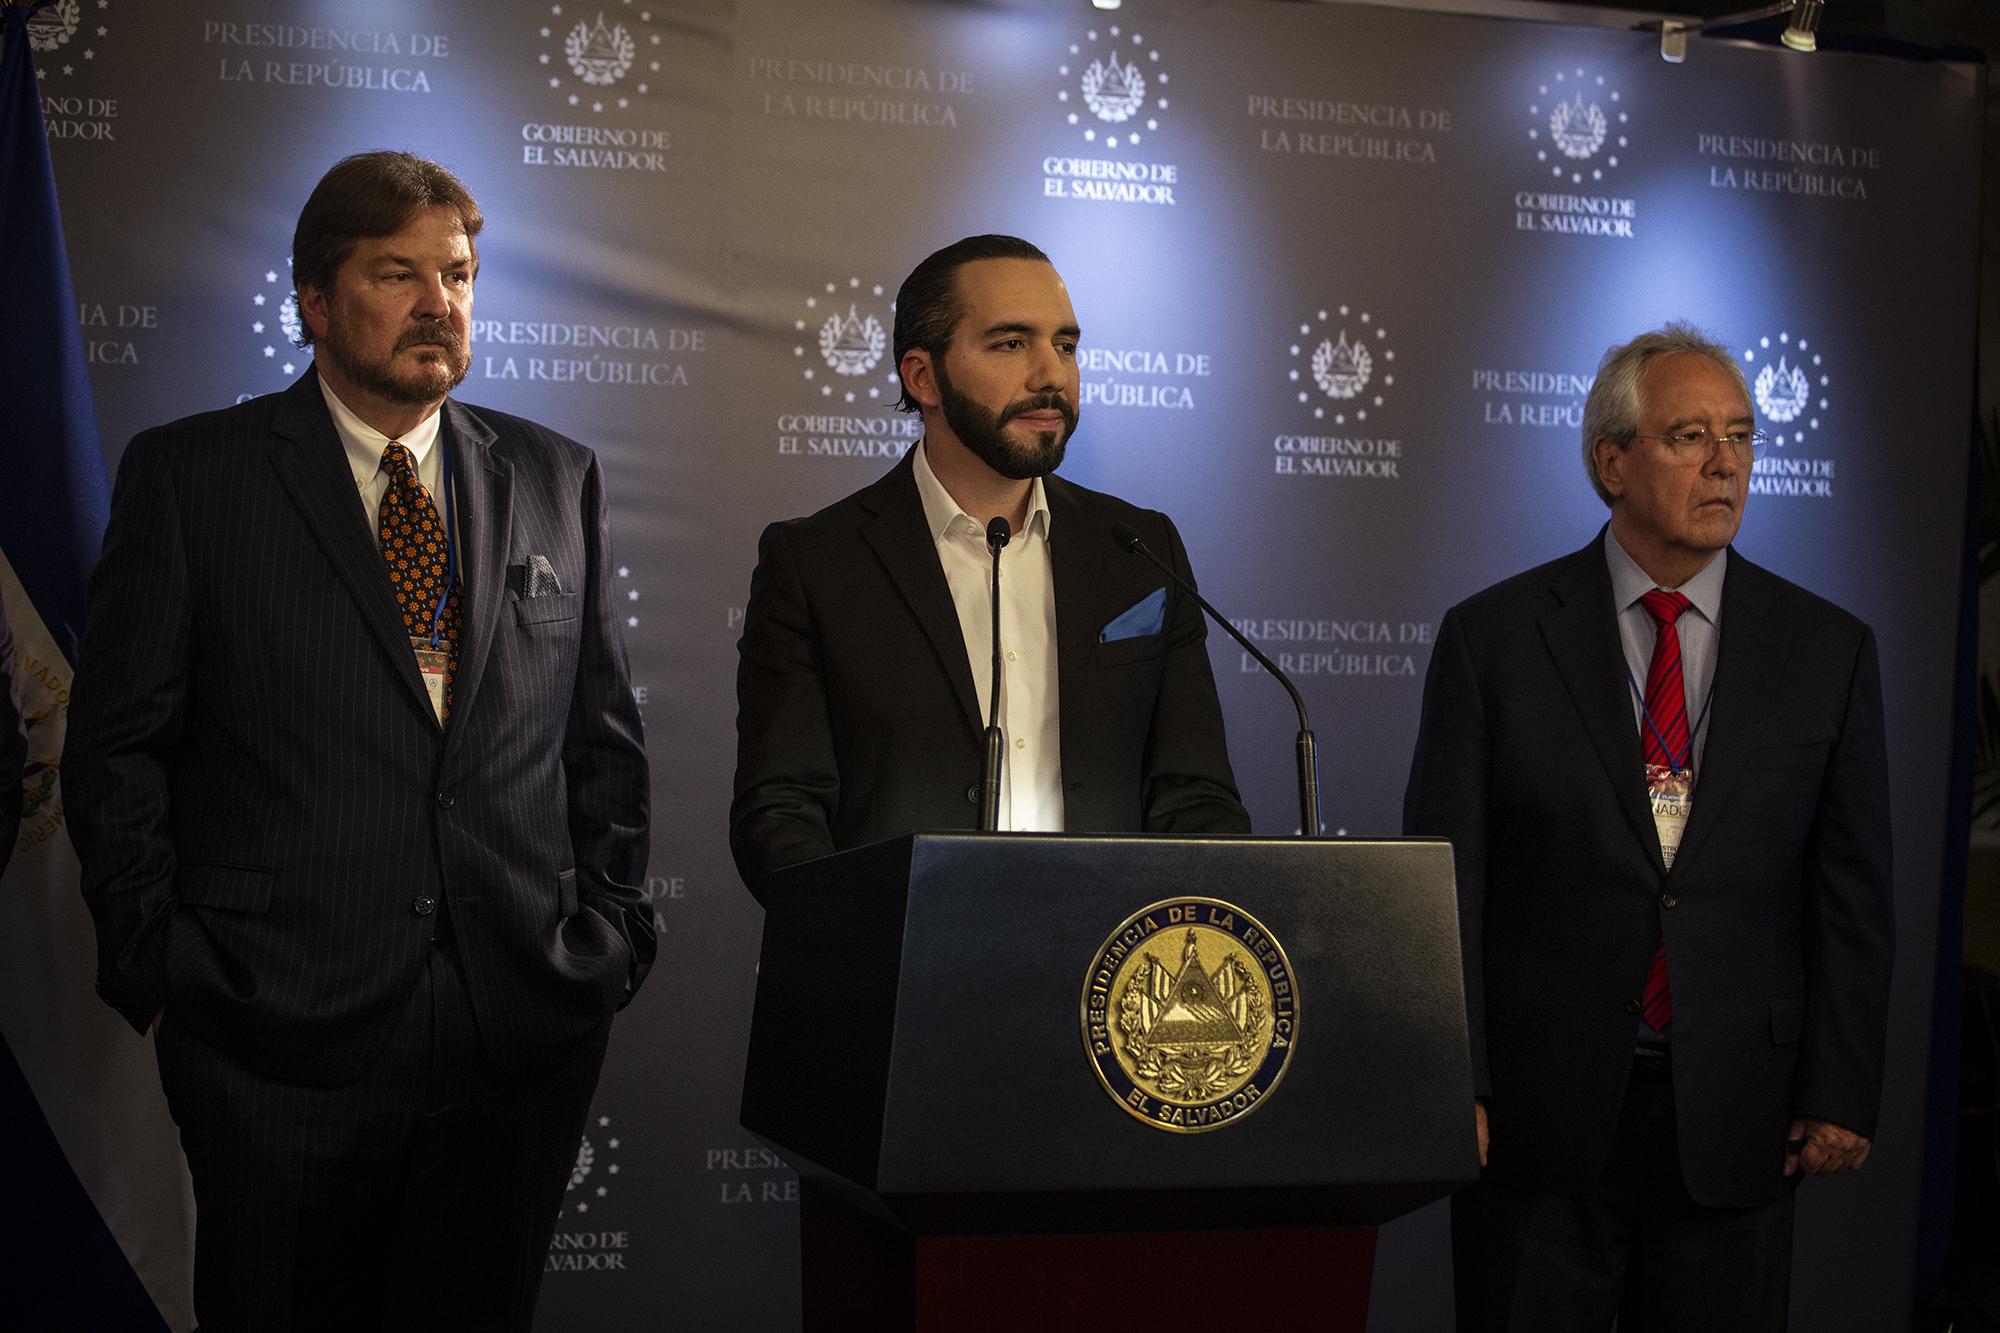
[(1800, 34)]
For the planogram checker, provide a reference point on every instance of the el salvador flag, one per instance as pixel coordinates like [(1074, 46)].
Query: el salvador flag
[(96, 1218)]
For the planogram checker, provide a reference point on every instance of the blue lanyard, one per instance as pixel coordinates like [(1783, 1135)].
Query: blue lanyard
[(1684, 764), (450, 545)]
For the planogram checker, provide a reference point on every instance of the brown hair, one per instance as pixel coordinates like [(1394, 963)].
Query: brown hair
[(363, 197)]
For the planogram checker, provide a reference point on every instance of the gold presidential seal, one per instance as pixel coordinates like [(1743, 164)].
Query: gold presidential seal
[(1189, 1014)]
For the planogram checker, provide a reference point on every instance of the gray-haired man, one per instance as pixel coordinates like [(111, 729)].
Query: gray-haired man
[(1662, 770)]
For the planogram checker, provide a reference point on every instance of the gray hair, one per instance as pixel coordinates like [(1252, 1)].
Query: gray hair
[(1613, 409)]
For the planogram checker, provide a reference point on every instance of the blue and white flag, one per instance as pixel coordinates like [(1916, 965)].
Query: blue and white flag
[(96, 1217)]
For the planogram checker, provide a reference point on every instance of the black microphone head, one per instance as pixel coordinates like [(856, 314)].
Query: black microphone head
[(998, 533), (1125, 535)]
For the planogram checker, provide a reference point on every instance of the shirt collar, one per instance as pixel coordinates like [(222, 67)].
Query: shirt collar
[(364, 444), (941, 511), (1629, 582)]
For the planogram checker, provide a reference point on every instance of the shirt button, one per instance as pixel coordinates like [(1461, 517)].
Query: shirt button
[(446, 800), (1020, 745), (1010, 655), (424, 905), (972, 793), (1668, 900)]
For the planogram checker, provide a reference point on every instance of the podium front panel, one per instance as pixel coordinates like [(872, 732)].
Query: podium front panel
[(988, 1091)]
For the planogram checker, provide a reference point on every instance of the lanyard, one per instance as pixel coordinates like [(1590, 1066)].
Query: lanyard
[(1685, 763), (450, 544)]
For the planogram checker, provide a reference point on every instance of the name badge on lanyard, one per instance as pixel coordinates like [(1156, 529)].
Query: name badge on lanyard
[(1670, 791), (1670, 786), (434, 664)]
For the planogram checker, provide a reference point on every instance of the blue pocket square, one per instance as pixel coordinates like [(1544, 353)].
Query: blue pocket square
[(1146, 616)]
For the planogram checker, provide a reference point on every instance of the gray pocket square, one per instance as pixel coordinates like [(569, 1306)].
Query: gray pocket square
[(541, 578)]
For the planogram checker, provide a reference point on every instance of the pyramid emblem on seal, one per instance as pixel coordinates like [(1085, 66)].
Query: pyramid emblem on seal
[(1193, 1010)]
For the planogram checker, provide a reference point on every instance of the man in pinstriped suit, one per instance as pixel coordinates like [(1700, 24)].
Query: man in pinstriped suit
[(358, 783)]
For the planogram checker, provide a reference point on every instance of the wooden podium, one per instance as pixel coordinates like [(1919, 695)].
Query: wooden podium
[(918, 1053)]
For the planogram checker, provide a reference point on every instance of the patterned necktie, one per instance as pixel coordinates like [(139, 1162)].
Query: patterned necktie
[(413, 545), (1663, 738)]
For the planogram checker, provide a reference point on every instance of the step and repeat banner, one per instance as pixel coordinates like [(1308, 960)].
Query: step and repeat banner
[(1343, 274)]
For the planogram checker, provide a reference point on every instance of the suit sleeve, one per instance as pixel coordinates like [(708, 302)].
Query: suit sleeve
[(1190, 788), (1448, 797), (604, 755), (128, 710), (13, 748), (787, 780), (1849, 925)]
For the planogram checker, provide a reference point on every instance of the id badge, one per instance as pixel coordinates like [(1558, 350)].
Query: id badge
[(434, 664), (1671, 794)]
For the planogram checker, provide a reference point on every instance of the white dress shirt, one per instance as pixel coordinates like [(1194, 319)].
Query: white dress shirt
[(364, 445), (1031, 776)]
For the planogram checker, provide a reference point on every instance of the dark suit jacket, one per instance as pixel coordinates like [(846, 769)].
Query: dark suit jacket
[(13, 747), (265, 806), (1776, 913), (857, 718)]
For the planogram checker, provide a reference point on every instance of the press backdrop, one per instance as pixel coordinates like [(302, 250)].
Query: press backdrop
[(1343, 275)]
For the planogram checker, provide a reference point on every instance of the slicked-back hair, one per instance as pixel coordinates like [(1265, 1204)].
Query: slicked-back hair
[(928, 305), (366, 196), (1613, 409)]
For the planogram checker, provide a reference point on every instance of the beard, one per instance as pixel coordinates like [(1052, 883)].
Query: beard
[(985, 433), (416, 387)]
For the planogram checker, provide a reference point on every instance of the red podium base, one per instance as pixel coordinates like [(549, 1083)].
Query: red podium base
[(861, 1273)]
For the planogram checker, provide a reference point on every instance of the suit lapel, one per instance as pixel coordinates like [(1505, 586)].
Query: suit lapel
[(312, 466), (1076, 558), (483, 489), (1752, 645), (1582, 637), (901, 538)]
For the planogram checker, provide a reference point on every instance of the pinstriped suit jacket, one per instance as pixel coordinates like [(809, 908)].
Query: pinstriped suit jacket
[(261, 796)]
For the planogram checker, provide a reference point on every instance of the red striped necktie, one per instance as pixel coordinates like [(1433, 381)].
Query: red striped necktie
[(1663, 738)]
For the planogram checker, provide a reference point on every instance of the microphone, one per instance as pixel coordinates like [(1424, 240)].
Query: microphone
[(1127, 536), (998, 534)]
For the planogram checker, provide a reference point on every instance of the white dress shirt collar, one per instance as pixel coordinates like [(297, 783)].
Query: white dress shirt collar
[(941, 511), (364, 444)]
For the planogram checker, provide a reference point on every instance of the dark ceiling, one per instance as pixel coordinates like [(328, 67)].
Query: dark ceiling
[(1955, 28)]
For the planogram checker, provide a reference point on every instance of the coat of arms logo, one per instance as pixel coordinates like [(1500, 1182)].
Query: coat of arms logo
[(55, 25), (1576, 115), (53, 28), (600, 55), (1190, 1014), (1188, 1032), (1120, 90), (1791, 391), (852, 343), (1351, 353), (612, 53)]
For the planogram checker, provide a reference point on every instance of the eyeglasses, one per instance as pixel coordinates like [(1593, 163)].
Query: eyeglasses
[(1695, 446)]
